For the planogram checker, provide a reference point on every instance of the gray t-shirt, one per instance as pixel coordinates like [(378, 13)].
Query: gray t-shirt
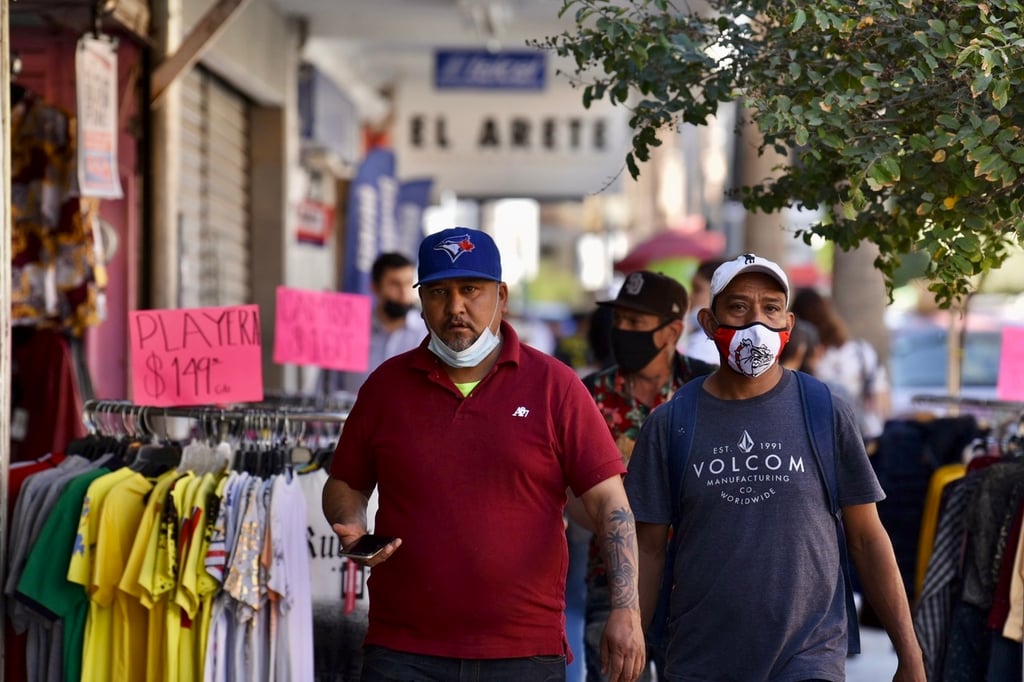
[(759, 590)]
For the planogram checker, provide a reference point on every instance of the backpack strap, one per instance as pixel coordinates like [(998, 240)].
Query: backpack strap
[(682, 418), (819, 418), (682, 421)]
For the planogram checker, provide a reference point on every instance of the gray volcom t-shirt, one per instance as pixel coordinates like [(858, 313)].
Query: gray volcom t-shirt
[(758, 592)]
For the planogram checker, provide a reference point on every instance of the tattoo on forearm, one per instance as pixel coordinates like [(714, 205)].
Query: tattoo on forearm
[(621, 558)]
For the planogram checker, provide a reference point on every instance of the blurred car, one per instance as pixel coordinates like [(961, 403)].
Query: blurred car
[(919, 366)]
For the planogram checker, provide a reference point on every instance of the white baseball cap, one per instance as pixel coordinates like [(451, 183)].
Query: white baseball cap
[(744, 264)]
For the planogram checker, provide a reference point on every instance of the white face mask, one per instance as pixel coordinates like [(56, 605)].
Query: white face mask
[(474, 354), (750, 350)]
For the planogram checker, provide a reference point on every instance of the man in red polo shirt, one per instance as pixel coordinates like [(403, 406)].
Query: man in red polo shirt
[(471, 440)]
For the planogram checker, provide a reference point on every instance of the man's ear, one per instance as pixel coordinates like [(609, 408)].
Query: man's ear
[(503, 297), (677, 330)]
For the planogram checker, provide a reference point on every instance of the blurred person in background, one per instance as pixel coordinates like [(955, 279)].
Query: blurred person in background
[(696, 343), (572, 346), (848, 362), (599, 332), (646, 325), (803, 352), (395, 322)]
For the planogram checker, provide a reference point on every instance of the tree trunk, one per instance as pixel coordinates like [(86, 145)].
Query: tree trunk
[(765, 233), (858, 290)]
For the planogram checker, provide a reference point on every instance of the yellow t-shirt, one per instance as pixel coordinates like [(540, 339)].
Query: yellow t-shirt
[(1014, 626), (132, 582), (119, 525), (930, 519), (166, 569), (186, 597), (96, 648)]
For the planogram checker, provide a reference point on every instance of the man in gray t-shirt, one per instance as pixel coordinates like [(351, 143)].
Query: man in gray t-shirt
[(758, 591)]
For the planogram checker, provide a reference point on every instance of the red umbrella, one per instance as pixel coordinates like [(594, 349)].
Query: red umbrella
[(673, 243)]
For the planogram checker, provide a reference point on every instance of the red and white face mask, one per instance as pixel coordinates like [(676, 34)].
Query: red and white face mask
[(750, 350)]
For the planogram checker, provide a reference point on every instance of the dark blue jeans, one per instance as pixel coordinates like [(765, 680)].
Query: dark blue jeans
[(387, 665)]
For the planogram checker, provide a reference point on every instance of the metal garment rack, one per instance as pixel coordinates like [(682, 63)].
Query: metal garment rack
[(990, 405), (260, 414)]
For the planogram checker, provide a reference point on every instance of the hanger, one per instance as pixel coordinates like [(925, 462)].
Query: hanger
[(157, 456)]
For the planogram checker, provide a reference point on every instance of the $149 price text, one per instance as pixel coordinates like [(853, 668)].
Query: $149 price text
[(196, 356)]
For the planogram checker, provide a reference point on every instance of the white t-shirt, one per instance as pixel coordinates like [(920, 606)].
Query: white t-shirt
[(849, 366), (289, 577), (337, 635)]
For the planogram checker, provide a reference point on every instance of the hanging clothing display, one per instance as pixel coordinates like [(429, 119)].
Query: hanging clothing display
[(57, 271), (57, 276), (965, 615), (46, 403), (132, 559)]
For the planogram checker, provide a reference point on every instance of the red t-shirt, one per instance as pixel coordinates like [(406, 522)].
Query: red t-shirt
[(475, 488)]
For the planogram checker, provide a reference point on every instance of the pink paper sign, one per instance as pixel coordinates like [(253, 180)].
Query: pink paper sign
[(1011, 365), (322, 328), (196, 356)]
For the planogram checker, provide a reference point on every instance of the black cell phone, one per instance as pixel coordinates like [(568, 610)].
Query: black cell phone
[(367, 546)]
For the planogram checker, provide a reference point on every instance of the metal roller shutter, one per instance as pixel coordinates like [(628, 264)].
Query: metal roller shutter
[(214, 193)]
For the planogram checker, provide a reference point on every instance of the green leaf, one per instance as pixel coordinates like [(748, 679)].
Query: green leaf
[(920, 143), (799, 19), (980, 84), (1000, 93), (802, 135), (634, 170), (892, 166)]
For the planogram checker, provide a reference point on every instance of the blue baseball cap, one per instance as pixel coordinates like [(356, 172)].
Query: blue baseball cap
[(458, 252)]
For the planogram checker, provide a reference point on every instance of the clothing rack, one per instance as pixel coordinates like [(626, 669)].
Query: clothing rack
[(998, 411), (958, 401), (281, 419), (236, 413)]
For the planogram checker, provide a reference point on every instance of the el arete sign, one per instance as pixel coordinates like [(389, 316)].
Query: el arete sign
[(498, 124)]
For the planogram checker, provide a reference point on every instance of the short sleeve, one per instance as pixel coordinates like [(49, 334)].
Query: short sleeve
[(857, 482)]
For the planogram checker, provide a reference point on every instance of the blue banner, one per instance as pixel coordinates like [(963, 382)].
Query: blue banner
[(370, 208), (413, 199), (483, 70)]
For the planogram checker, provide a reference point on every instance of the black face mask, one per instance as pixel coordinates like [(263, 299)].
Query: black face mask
[(394, 310), (634, 350)]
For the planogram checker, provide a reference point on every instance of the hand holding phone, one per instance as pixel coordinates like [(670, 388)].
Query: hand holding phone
[(367, 547)]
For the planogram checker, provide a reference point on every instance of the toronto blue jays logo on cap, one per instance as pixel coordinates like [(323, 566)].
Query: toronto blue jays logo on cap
[(455, 246), (483, 263)]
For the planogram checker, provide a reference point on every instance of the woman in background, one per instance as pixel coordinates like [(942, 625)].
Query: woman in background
[(848, 362)]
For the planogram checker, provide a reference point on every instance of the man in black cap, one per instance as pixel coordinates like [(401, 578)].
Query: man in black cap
[(647, 322)]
